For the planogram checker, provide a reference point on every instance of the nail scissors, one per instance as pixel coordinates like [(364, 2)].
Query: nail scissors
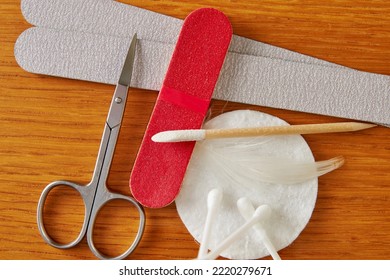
[(95, 194)]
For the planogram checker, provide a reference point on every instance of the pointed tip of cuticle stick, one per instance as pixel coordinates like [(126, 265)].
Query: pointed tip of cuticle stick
[(361, 126)]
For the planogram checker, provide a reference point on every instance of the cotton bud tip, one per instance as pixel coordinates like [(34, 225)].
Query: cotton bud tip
[(214, 197), (263, 212)]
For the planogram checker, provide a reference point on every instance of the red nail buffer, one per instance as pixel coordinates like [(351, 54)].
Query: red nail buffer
[(182, 103)]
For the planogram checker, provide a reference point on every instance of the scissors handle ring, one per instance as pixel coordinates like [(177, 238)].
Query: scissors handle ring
[(41, 225), (137, 239)]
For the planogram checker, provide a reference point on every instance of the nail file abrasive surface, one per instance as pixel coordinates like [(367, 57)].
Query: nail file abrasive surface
[(111, 18), (83, 39), (181, 104), (299, 86)]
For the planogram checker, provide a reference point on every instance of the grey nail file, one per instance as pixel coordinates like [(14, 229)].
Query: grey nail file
[(273, 82), (112, 18), (90, 57)]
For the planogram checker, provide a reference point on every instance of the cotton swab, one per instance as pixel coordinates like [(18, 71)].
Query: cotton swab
[(232, 170), (214, 199), (261, 213), (202, 134), (247, 210)]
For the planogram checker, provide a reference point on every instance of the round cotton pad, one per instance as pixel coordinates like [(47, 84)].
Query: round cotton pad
[(219, 164)]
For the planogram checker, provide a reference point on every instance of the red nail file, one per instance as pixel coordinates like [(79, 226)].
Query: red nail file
[(182, 103)]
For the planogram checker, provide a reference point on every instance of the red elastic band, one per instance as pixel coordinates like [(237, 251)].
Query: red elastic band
[(185, 100)]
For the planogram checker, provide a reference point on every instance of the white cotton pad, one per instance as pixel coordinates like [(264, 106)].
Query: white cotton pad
[(292, 205)]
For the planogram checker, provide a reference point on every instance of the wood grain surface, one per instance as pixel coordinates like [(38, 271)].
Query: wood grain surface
[(50, 129)]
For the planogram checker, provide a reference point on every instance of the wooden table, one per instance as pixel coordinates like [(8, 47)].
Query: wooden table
[(50, 129)]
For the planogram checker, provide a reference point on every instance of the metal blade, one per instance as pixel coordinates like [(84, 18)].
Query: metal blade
[(127, 69)]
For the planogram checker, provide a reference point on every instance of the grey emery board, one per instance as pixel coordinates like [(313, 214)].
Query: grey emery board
[(87, 46)]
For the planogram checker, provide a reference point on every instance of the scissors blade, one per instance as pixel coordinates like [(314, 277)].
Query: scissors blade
[(127, 69), (118, 102)]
